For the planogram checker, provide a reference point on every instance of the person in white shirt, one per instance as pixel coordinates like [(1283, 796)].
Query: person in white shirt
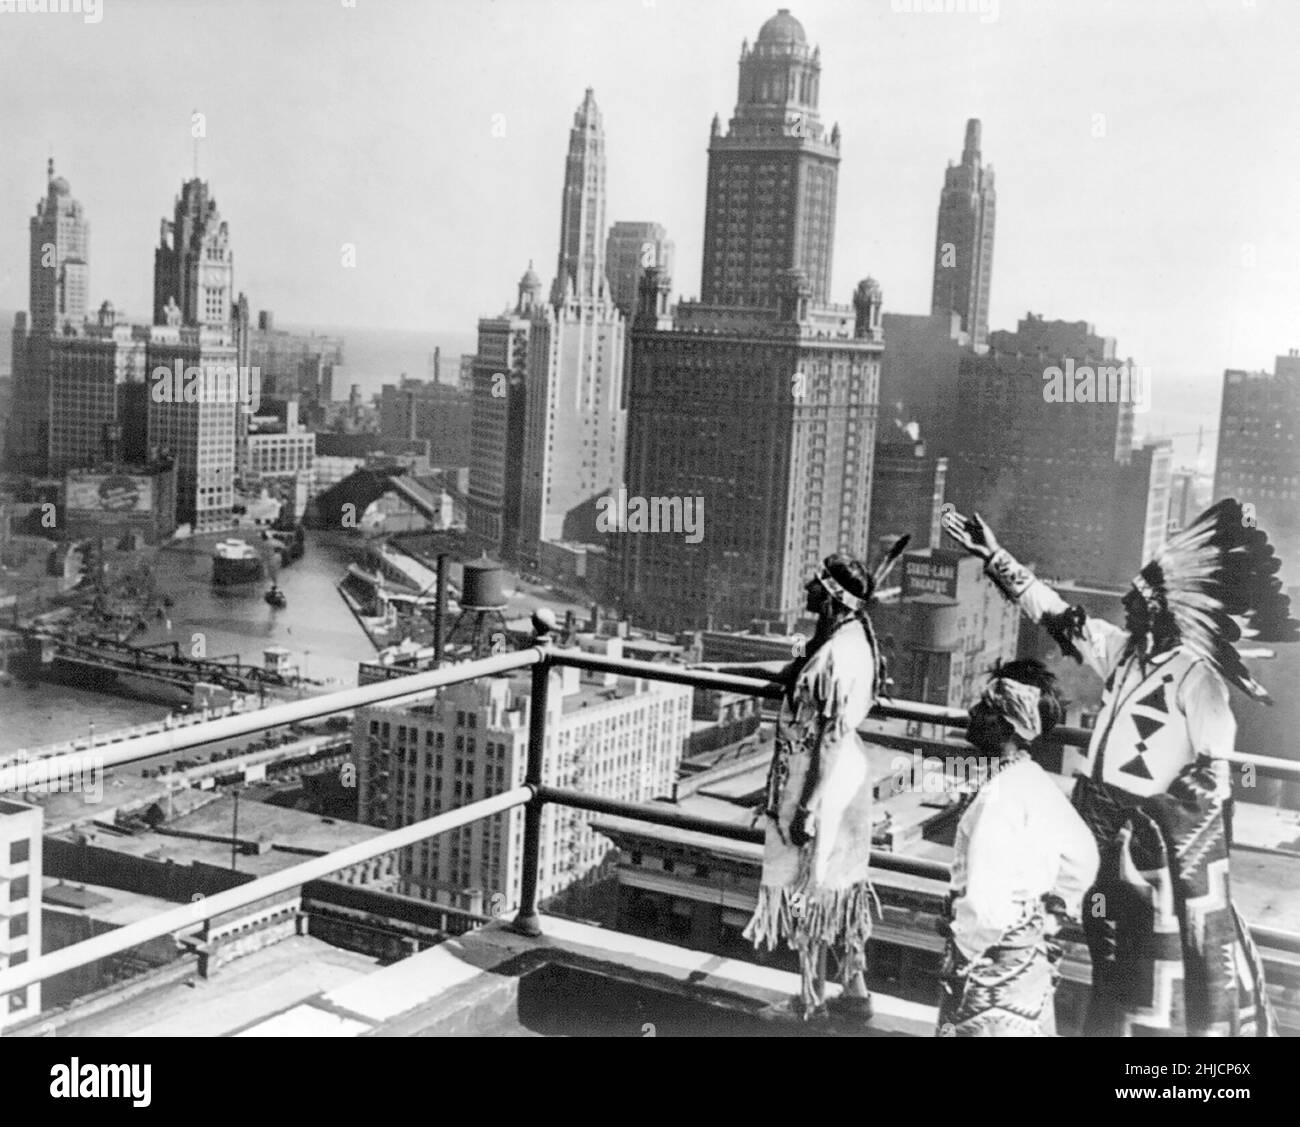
[(1022, 859)]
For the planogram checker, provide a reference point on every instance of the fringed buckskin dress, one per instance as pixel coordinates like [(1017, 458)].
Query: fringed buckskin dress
[(820, 893)]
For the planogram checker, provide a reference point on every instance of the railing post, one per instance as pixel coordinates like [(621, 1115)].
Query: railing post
[(527, 922)]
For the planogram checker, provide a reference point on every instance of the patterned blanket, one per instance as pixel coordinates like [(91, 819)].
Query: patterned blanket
[(1171, 956), (1009, 991)]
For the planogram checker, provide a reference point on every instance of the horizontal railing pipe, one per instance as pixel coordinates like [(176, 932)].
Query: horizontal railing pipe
[(38, 771), (667, 816), (672, 674), (190, 915)]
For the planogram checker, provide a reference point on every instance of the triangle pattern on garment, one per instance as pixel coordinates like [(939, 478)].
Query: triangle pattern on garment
[(1136, 766), (1146, 725), (1155, 700)]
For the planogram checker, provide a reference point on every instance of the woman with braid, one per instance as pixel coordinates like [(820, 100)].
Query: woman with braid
[(815, 894), (1170, 954)]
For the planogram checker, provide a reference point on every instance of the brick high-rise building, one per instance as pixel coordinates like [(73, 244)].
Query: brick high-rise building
[(1259, 452), (629, 251), (758, 403), (500, 376), (614, 736), (918, 375), (963, 245), (436, 413), (574, 416), (98, 393), (772, 176), (1053, 478), (193, 264)]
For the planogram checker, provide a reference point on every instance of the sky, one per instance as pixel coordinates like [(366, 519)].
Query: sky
[(1146, 152)]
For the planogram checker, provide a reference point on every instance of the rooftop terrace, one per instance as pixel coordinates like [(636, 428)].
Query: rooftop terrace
[(529, 974)]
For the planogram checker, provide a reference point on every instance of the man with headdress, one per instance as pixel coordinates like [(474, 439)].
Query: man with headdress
[(1022, 859), (1170, 953), (815, 894)]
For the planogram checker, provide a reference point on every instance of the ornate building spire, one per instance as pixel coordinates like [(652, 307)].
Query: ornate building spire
[(580, 271)]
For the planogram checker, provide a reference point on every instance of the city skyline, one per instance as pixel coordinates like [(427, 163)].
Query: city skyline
[(1088, 227)]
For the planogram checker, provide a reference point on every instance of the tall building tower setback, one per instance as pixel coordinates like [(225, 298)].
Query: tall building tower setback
[(772, 176), (59, 260), (193, 265), (580, 271), (963, 245), (574, 416), (757, 403)]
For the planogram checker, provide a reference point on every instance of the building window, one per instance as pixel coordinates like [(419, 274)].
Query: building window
[(18, 888), (18, 926), (17, 1001), (19, 851)]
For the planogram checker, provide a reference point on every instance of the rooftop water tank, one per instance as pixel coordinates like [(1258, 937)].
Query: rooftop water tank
[(483, 586)]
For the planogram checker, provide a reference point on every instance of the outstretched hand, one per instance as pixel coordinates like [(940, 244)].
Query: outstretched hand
[(971, 532)]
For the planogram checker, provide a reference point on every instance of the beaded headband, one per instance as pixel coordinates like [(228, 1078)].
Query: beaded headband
[(838, 593)]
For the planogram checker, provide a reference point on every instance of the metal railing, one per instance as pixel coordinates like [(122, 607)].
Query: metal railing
[(533, 795)]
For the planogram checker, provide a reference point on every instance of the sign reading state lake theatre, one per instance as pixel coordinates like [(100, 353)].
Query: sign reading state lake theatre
[(934, 574)]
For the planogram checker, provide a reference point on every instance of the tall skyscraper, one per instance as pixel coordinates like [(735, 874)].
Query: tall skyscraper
[(772, 176), (193, 265), (758, 404), (57, 300), (1259, 452), (499, 385), (963, 245), (629, 251), (194, 330), (574, 416), (59, 260)]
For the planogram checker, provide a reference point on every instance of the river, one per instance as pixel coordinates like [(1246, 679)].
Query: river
[(324, 639)]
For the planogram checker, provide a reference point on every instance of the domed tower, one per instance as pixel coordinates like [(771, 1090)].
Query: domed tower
[(530, 292), (867, 301), (772, 176)]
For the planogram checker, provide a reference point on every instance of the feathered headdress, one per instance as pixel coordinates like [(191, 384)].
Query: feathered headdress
[(1219, 568)]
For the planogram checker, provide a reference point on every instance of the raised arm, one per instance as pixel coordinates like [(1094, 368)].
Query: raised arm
[(1094, 641)]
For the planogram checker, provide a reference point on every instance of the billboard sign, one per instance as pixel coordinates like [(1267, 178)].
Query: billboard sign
[(933, 574), (124, 494)]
